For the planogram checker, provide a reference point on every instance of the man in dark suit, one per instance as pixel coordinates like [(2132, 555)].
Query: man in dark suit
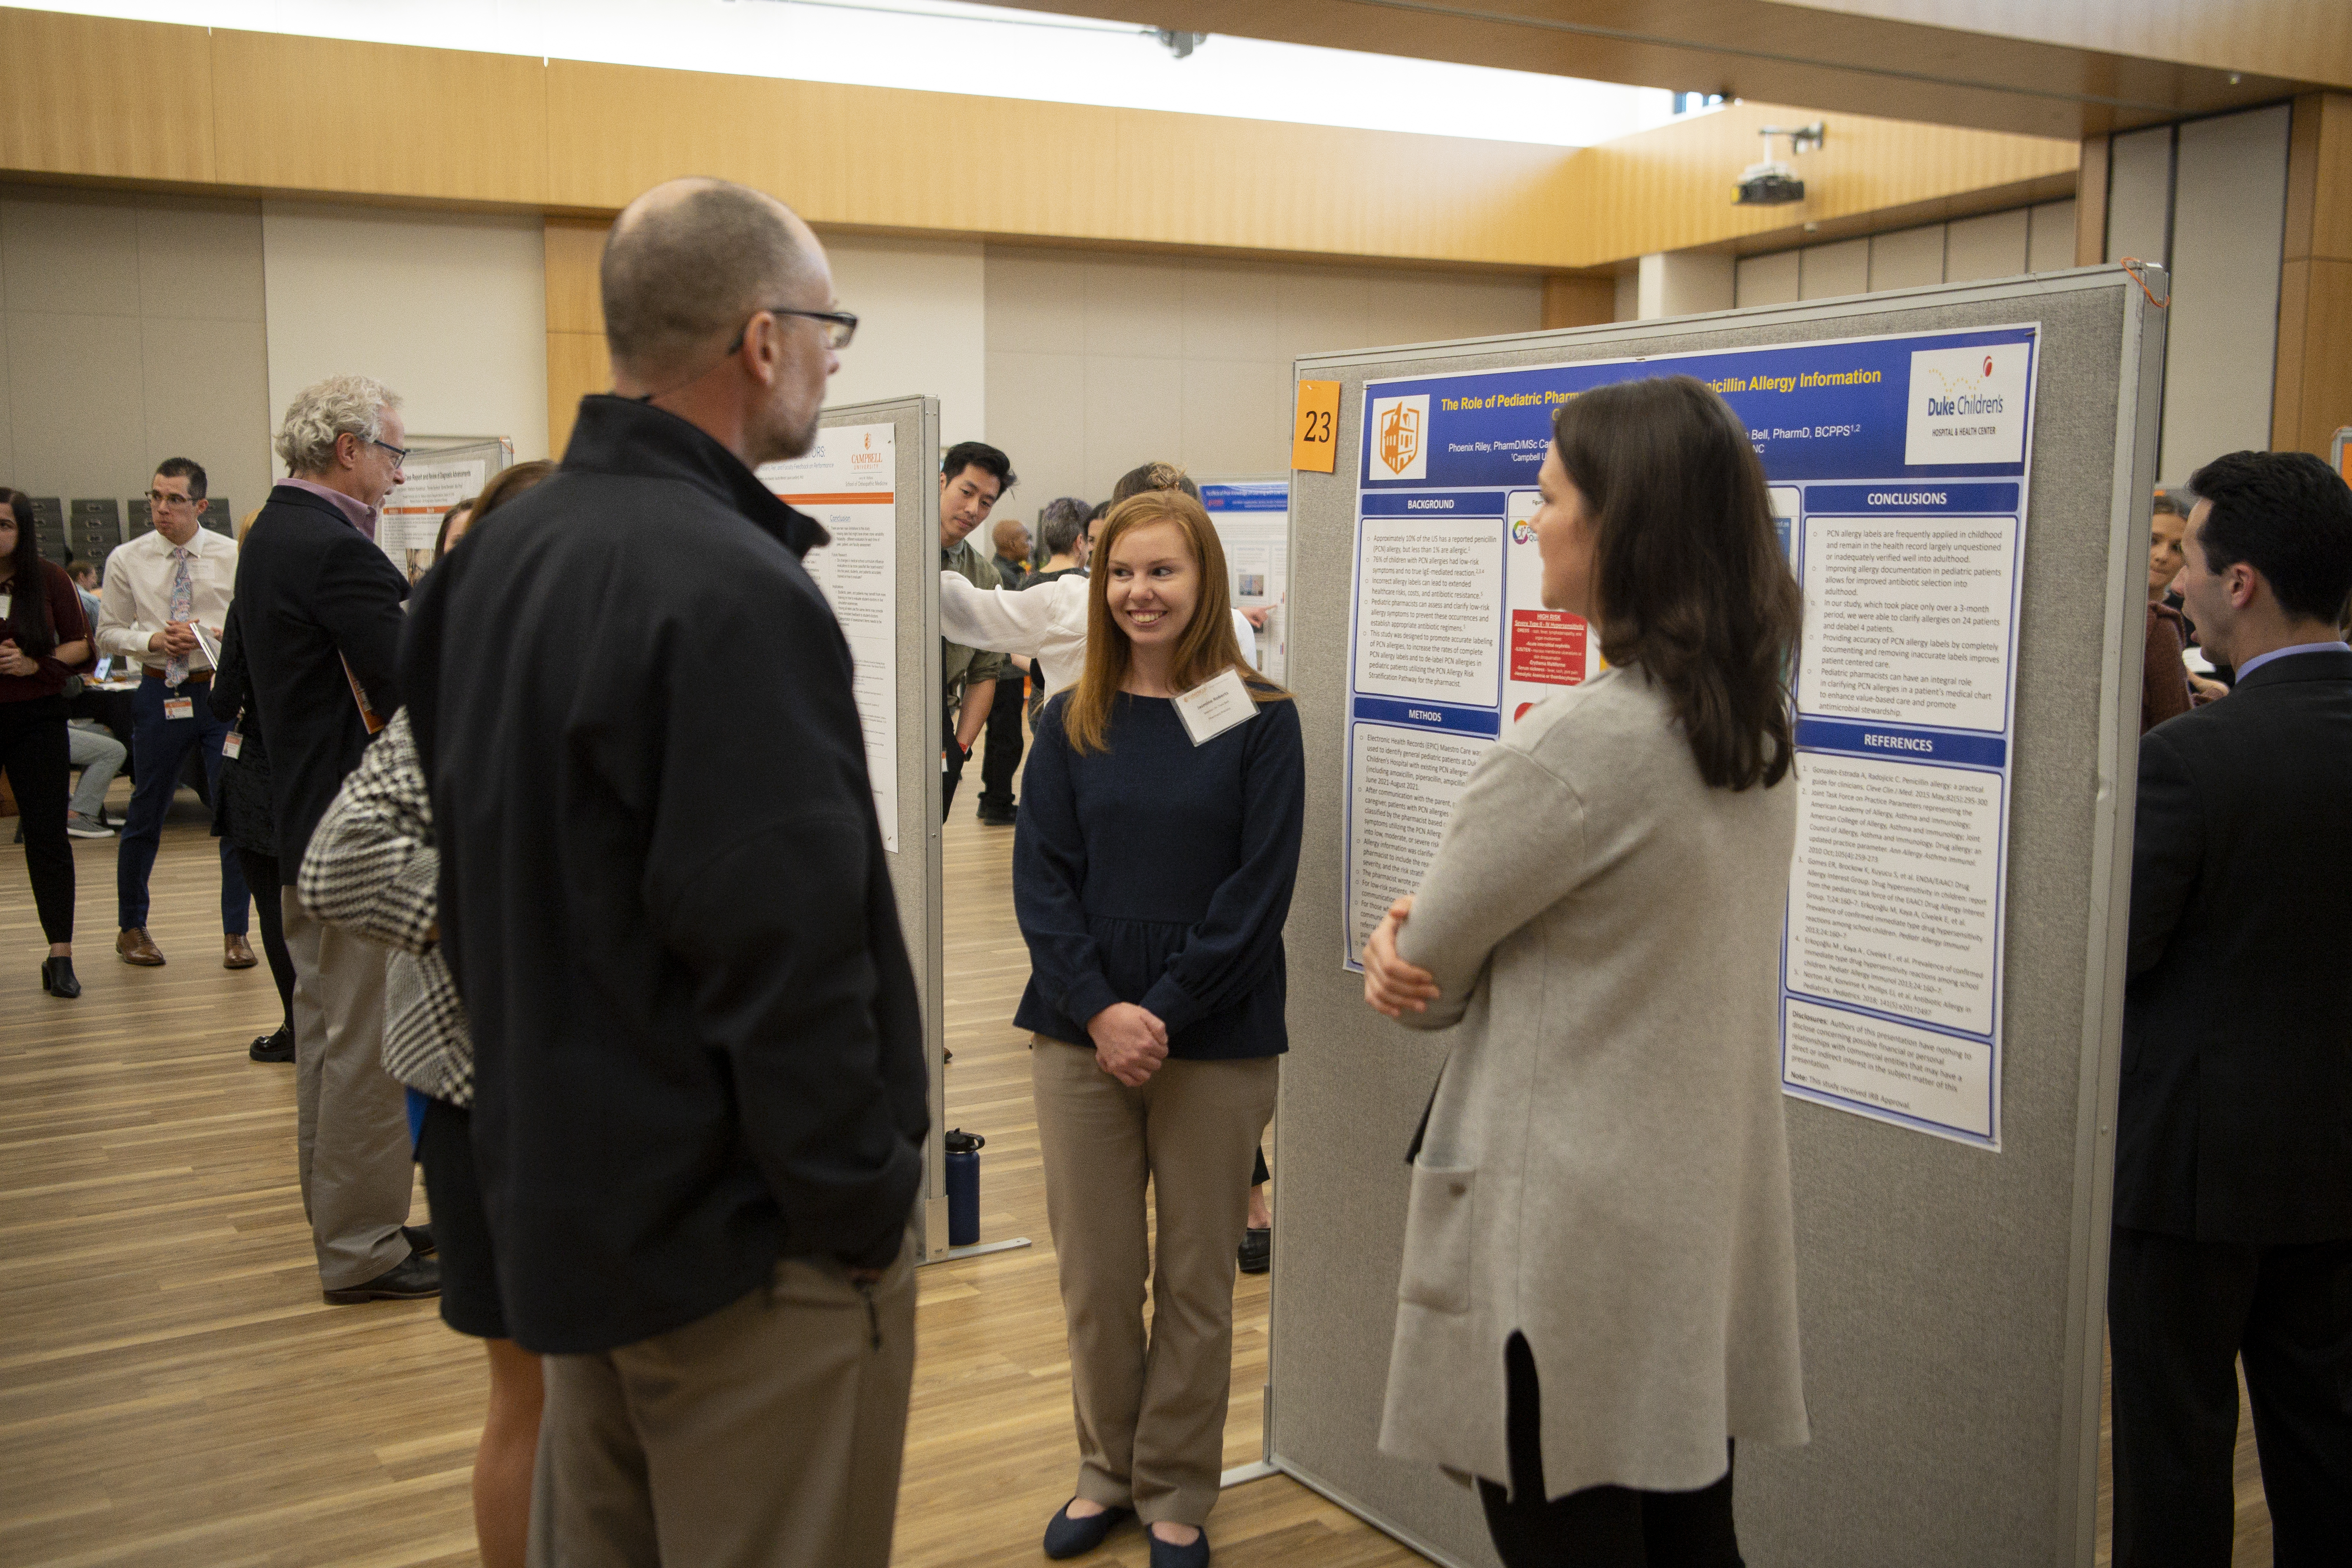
[(322, 623), (2234, 1156)]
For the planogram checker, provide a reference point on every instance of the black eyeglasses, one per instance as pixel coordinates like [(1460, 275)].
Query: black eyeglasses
[(165, 498), (399, 454), (840, 326)]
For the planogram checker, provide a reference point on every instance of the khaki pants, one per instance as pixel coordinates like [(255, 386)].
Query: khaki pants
[(1150, 1410), (767, 1435), (351, 1147)]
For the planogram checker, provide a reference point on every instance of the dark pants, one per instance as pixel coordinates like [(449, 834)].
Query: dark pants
[(33, 751), (158, 747), (1600, 1526), (261, 871), (2181, 1315), (1002, 759), (954, 774)]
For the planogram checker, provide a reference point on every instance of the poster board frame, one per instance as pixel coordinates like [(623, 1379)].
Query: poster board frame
[(2006, 1469), (914, 867)]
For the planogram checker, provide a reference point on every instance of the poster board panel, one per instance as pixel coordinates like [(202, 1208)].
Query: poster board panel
[(1950, 1295), (871, 480)]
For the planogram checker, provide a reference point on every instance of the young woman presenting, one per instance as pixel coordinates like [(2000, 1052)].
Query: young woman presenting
[(1152, 871), (1599, 1291)]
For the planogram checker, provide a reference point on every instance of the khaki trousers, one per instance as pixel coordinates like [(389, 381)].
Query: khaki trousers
[(1151, 1409), (767, 1435), (351, 1145)]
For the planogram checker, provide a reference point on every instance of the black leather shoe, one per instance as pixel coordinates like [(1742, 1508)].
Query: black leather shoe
[(420, 1239), (276, 1048), (1196, 1555), (1067, 1537), (412, 1278), (1257, 1250), (57, 978)]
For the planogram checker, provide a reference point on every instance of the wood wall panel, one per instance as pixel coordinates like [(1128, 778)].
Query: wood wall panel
[(2306, 38), (329, 115), (2091, 203), (1955, 70), (1670, 189), (2312, 397), (307, 116), (575, 248), (577, 365), (89, 96), (1579, 299)]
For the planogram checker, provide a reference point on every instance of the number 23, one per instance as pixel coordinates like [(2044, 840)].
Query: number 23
[(1316, 425)]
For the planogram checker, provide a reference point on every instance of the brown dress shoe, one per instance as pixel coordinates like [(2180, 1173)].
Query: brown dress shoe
[(134, 947), (236, 953)]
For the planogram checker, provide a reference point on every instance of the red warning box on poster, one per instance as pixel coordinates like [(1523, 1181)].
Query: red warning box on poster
[(1547, 646)]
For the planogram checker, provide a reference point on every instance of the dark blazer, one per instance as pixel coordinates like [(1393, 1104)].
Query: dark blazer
[(314, 592), (241, 811), (697, 1045), (2236, 1116)]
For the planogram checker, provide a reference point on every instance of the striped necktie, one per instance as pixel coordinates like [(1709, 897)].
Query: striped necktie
[(183, 608)]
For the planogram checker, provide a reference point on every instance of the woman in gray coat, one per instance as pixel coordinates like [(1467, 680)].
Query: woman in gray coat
[(1599, 1289)]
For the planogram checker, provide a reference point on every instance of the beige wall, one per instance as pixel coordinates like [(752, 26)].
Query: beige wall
[(1098, 362), (133, 331), (922, 326), (1992, 245), (448, 309)]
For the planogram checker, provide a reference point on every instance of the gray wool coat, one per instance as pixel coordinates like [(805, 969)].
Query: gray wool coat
[(1605, 1165)]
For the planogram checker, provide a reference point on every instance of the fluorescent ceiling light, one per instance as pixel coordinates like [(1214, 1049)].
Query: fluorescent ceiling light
[(985, 50)]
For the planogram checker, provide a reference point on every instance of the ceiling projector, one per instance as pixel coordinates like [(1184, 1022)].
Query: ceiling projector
[(1772, 182)]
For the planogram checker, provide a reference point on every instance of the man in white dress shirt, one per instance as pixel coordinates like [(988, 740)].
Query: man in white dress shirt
[(160, 587)]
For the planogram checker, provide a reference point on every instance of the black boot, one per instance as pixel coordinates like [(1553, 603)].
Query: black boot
[(57, 978)]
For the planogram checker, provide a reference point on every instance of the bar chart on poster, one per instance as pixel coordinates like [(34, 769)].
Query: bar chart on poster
[(847, 481), (1896, 471)]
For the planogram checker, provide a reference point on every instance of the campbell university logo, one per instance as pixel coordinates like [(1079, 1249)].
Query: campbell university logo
[(1400, 446)]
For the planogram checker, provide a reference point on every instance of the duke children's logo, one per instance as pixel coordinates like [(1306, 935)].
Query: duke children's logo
[(1523, 531), (1967, 405), (1398, 448)]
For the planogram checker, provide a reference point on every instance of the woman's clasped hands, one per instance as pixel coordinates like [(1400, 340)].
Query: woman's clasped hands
[(1391, 984), (1131, 1043)]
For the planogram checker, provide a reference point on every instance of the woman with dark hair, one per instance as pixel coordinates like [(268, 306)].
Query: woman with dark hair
[(1151, 872), (371, 868), (44, 638), (1599, 1289)]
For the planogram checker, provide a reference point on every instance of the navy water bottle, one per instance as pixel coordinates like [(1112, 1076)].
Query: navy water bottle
[(963, 1187)]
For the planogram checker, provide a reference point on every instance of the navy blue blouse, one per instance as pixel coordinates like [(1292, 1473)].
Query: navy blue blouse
[(1159, 872)]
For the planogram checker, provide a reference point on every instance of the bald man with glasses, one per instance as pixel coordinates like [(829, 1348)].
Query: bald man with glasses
[(160, 588)]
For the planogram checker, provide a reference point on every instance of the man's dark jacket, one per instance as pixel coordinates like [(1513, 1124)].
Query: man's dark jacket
[(664, 894), (313, 594), (2236, 1117)]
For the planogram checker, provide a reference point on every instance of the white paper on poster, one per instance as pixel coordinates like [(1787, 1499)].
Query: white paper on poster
[(848, 483), (1429, 601), (409, 521)]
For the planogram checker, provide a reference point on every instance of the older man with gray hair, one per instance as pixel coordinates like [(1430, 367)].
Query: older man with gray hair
[(320, 611), (699, 1094)]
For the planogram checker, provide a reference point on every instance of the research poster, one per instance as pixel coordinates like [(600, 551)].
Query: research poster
[(1898, 472), (409, 520), (848, 482), (1253, 523)]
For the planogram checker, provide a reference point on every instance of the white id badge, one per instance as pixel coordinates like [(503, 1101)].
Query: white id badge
[(1215, 706), (231, 744), (177, 708)]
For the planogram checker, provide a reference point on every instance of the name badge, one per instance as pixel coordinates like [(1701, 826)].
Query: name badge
[(231, 744), (177, 708), (1215, 706)]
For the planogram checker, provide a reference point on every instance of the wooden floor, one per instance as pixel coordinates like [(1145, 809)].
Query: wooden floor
[(173, 1392)]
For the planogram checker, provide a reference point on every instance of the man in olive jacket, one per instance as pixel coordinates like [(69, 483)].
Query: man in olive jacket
[(2233, 1147), (701, 1092)]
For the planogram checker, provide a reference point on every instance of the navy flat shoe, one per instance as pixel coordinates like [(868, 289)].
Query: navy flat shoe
[(1196, 1555), (1067, 1537)]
